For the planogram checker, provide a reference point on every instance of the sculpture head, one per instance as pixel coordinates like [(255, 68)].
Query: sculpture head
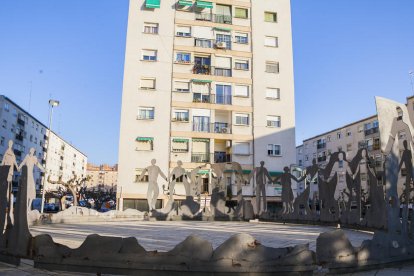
[(405, 143), (32, 151), (153, 162), (364, 153), (341, 156), (399, 113), (179, 163), (286, 169), (262, 163), (10, 144)]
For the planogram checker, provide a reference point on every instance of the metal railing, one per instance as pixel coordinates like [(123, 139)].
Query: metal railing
[(217, 18), (203, 98), (223, 128), (197, 157), (371, 131), (321, 146), (212, 43), (202, 69), (222, 157), (216, 157)]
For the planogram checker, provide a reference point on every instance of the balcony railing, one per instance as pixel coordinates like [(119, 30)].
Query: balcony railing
[(321, 146), (210, 70), (203, 98), (202, 69), (218, 18), (211, 43), (217, 127), (180, 119), (222, 157), (19, 137), (200, 157), (371, 131), (20, 122)]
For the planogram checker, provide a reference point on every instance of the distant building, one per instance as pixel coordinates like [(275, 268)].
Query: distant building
[(28, 132), (102, 177)]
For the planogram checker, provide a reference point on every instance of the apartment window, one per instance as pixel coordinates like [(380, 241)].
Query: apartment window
[(271, 41), (241, 64), (272, 93), (181, 86), (274, 150), (183, 57), (273, 121), (183, 31), (147, 83), (4, 124), (223, 41), (241, 148), (241, 91), (6, 107), (338, 135), (360, 128), (180, 145), (146, 113), (270, 17), (181, 115), (241, 13), (2, 141), (150, 28), (223, 14), (328, 138), (145, 144), (272, 67), (348, 133), (241, 38), (149, 55), (242, 119), (223, 94)]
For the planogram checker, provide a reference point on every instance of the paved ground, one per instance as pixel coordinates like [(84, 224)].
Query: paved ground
[(164, 236)]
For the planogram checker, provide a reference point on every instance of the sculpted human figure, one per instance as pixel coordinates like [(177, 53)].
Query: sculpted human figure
[(176, 173), (261, 174), (287, 193), (9, 159), (30, 161), (153, 189)]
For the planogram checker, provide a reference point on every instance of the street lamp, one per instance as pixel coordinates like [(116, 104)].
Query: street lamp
[(411, 73), (52, 104)]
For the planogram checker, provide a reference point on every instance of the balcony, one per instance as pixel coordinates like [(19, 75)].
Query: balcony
[(203, 98), (20, 122), (217, 18), (371, 131), (201, 69), (321, 146), (200, 157), (180, 119), (217, 127), (211, 43), (222, 157), (19, 137), (17, 152)]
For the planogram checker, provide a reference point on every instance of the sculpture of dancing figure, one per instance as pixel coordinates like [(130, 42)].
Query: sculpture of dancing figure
[(30, 161), (153, 189), (9, 159), (261, 174), (176, 173), (287, 193)]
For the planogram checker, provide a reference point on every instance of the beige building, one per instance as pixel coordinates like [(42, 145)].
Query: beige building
[(206, 81), (103, 177)]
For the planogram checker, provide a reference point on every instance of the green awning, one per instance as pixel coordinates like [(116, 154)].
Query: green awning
[(204, 5), (144, 139), (185, 3), (203, 172), (222, 29), (152, 4), (201, 81), (180, 140), (201, 140), (275, 173)]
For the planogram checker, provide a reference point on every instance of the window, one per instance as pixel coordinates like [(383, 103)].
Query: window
[(145, 144), (2, 141), (146, 113), (241, 13), (338, 135), (348, 133), (149, 55), (182, 86), (181, 115), (223, 14), (6, 107), (241, 38), (147, 83), (241, 64), (4, 124), (328, 138), (223, 94), (273, 121), (180, 145), (274, 150), (271, 41), (223, 41), (241, 148), (242, 119), (183, 57), (241, 90), (360, 128), (150, 28), (183, 31), (272, 67), (272, 93), (270, 17)]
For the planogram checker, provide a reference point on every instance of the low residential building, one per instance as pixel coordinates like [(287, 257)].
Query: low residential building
[(102, 177), (27, 132)]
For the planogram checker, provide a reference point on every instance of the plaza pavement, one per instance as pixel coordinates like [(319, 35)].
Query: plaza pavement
[(163, 236)]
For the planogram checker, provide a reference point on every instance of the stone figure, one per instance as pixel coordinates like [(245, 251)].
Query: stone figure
[(311, 174), (9, 159), (261, 174), (153, 190), (406, 160), (287, 193), (30, 161), (176, 173)]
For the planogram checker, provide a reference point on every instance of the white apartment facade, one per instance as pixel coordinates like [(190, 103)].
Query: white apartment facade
[(206, 82), (27, 132), (102, 177)]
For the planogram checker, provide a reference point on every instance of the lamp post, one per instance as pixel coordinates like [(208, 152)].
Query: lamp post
[(411, 73), (52, 104)]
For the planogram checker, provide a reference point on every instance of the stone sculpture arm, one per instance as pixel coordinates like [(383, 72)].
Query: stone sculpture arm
[(251, 175), (353, 175), (294, 178), (41, 168), (277, 178), (270, 180), (391, 138), (19, 168), (162, 174)]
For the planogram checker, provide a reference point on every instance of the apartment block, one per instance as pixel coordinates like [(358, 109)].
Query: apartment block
[(102, 177), (206, 82), (26, 132)]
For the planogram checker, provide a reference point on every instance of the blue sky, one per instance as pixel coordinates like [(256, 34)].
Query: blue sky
[(345, 53)]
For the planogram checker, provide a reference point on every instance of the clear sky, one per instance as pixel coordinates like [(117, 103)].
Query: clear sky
[(345, 53)]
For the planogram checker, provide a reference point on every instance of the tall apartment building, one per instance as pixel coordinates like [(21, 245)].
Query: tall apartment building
[(27, 132), (102, 177), (206, 81), (349, 138)]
